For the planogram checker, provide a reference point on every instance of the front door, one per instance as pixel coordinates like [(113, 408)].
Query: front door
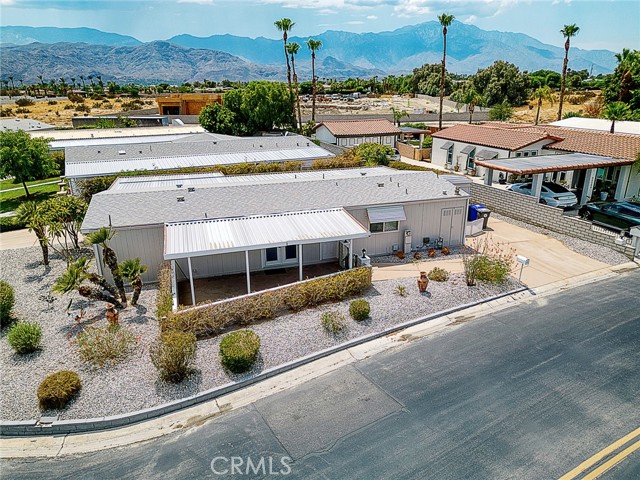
[(451, 225)]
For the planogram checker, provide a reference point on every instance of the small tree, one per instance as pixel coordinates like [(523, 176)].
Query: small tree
[(102, 237), (398, 115), (501, 112), (217, 118), (25, 158), (63, 218), (72, 280), (132, 271), (34, 216)]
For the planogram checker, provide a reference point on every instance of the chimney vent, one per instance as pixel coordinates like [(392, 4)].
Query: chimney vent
[(180, 199)]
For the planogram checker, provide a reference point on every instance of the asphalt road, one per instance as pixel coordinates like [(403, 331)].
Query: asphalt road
[(526, 393)]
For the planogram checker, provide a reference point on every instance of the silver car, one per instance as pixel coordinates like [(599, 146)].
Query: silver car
[(551, 194)]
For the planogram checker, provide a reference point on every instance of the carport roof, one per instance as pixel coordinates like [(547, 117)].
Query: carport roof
[(551, 163)]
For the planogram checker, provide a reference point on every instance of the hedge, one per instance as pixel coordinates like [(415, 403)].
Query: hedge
[(209, 320), (164, 298), (8, 224)]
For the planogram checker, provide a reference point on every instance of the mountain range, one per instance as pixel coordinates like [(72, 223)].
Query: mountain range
[(33, 51)]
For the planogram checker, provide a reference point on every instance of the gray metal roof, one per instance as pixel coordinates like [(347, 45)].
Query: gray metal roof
[(155, 207), (94, 142), (169, 181), (552, 163), (26, 124), (237, 234), (487, 154)]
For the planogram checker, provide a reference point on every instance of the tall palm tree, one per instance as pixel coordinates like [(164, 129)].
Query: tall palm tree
[(102, 238), (313, 45), (568, 31), (33, 216), (540, 94), (285, 25), (72, 279), (293, 49), (616, 111), (446, 21), (44, 87), (132, 271), (84, 85)]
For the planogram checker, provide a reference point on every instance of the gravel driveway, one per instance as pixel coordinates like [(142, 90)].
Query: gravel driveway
[(134, 384)]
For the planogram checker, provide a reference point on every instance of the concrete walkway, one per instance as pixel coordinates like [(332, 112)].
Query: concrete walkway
[(17, 239)]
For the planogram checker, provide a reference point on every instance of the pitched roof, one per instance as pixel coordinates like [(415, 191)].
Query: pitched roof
[(613, 145), (351, 128), (493, 136)]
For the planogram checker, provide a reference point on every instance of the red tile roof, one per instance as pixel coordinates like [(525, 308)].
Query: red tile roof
[(354, 128), (614, 145), (493, 136)]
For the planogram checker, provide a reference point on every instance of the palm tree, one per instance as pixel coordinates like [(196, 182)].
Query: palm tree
[(616, 111), (568, 31), (132, 270), (102, 238), (445, 20), (72, 279), (541, 93), (469, 96), (398, 115), (44, 87), (33, 216), (285, 25), (293, 49), (313, 45)]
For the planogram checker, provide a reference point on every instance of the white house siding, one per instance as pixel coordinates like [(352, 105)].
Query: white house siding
[(389, 140), (324, 135)]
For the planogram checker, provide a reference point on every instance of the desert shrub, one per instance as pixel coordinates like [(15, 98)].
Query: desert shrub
[(22, 110), (239, 350), (83, 108), (492, 269), (101, 346), (336, 162), (438, 274), (164, 298), (487, 261), (52, 102), (25, 102), (24, 337), (174, 355), (359, 310), (58, 389), (407, 166), (68, 106), (131, 105), (333, 322), (6, 112), (7, 299), (88, 188), (75, 98), (401, 290)]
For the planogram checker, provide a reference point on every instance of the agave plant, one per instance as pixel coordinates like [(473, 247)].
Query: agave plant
[(132, 271), (102, 238), (72, 279)]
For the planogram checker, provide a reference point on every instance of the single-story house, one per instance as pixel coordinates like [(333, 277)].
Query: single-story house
[(26, 124), (349, 133), (203, 150), (141, 120), (599, 125), (248, 223)]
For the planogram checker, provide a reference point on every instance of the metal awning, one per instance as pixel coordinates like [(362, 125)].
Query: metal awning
[(552, 163), (487, 154), (389, 213), (468, 149), (237, 234), (446, 145)]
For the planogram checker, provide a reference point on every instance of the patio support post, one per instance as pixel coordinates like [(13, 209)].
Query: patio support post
[(488, 177), (174, 286), (299, 246), (96, 254), (246, 262), (536, 186), (623, 180), (193, 291), (350, 253), (587, 188)]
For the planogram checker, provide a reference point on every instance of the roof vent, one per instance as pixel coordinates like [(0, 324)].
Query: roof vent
[(122, 152), (99, 151), (444, 192), (363, 173), (381, 184), (191, 189), (457, 190), (180, 199), (178, 185)]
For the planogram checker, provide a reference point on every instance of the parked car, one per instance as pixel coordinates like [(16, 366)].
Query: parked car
[(551, 194), (621, 215), (395, 156)]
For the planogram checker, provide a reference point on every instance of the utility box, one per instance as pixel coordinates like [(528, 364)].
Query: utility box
[(407, 242)]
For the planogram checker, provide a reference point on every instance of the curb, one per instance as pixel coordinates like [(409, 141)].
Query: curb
[(23, 428)]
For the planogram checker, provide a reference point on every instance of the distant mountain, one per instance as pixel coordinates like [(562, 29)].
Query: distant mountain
[(25, 35), (468, 49)]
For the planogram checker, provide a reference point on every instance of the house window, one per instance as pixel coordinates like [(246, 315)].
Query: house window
[(271, 254), (351, 141), (533, 153), (381, 227), (290, 252), (471, 159), (526, 154), (518, 154), (280, 255), (387, 140), (450, 155)]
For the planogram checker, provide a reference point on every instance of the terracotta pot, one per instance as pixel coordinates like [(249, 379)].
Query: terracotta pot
[(423, 282), (112, 315)]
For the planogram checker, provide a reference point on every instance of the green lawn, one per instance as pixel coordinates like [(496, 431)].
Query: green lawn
[(5, 184), (10, 201)]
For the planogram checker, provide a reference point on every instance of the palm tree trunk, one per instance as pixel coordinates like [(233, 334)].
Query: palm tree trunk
[(95, 294), (564, 76), (286, 56), (471, 109), (538, 111), (111, 261), (444, 58), (137, 288), (313, 86), (102, 283), (45, 249)]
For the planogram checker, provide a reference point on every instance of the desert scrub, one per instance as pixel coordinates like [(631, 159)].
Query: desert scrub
[(101, 346), (7, 299), (174, 355), (359, 310), (438, 274), (58, 389), (239, 350), (333, 321), (401, 290), (24, 337)]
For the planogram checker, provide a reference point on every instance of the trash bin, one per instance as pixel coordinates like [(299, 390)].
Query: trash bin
[(484, 213), (473, 211)]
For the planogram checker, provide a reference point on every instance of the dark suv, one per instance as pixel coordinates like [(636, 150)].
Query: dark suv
[(622, 215)]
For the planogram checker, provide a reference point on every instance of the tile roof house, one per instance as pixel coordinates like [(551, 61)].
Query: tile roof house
[(349, 133)]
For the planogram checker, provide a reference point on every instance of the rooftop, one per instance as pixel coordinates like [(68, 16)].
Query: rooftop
[(613, 145), (86, 133), (158, 206), (551, 163), (26, 124), (598, 124), (350, 128), (494, 136)]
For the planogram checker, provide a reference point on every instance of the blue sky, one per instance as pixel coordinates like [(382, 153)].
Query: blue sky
[(604, 24)]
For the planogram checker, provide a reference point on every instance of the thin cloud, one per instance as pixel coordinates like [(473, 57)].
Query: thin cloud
[(7, 3), (372, 17), (355, 22), (197, 2)]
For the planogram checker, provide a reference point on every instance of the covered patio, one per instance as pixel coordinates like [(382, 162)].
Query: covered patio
[(279, 238), (538, 166)]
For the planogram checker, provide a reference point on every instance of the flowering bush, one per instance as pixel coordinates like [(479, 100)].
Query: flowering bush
[(101, 346)]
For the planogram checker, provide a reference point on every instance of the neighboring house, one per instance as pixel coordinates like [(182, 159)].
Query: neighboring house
[(598, 125), (141, 120), (186, 103), (349, 133), (26, 124), (210, 226), (201, 150)]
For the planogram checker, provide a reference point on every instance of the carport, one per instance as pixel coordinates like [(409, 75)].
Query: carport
[(539, 165)]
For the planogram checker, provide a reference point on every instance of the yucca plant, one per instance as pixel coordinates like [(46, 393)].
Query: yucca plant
[(72, 280), (132, 271), (102, 238)]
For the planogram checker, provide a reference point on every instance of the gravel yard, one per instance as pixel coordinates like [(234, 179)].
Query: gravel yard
[(134, 384)]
